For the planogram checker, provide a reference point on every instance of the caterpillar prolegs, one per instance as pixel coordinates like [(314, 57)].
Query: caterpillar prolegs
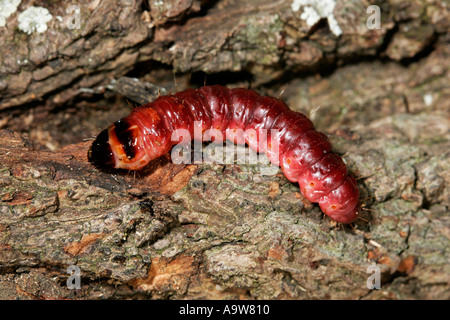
[(304, 154)]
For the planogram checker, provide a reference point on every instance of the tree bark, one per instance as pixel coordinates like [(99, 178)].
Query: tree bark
[(262, 37)]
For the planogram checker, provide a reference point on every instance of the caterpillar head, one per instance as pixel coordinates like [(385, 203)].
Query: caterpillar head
[(119, 147)]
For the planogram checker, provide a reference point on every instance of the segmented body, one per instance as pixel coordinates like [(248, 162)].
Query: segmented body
[(242, 116)]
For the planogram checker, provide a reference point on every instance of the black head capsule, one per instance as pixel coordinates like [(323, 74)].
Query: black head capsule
[(100, 154)]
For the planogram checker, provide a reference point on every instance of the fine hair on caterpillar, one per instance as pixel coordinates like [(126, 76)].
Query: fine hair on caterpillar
[(242, 116)]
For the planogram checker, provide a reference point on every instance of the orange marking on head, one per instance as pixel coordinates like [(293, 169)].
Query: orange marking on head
[(117, 147)]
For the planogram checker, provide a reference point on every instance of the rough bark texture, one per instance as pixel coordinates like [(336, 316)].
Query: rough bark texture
[(225, 231)]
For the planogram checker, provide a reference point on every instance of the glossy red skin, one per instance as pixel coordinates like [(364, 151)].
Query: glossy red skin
[(304, 154)]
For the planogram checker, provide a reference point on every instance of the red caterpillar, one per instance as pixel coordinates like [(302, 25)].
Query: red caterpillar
[(304, 154)]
